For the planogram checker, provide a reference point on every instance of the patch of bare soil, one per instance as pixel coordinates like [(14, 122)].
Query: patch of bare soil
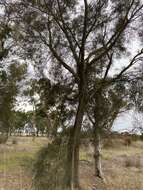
[(15, 180)]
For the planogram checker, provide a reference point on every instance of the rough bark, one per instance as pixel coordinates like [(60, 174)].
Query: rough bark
[(72, 172), (97, 155)]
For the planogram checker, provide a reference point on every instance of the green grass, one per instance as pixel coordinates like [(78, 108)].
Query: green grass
[(12, 160), (85, 156), (21, 154)]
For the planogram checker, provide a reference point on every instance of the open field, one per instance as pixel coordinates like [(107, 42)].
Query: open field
[(122, 165), (16, 163)]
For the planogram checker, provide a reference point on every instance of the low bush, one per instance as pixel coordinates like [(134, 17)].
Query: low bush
[(141, 137), (14, 141), (127, 141), (3, 138), (133, 162), (48, 170), (108, 143)]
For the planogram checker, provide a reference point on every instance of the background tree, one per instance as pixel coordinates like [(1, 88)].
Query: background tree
[(10, 81), (136, 93), (104, 107), (11, 72), (138, 123), (19, 121)]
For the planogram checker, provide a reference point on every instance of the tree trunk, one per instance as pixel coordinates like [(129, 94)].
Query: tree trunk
[(72, 170), (97, 154), (9, 132), (37, 133)]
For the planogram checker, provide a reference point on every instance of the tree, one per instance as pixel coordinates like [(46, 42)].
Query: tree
[(138, 123), (54, 105), (5, 32), (136, 90), (10, 81), (10, 73), (78, 36), (136, 94), (19, 121), (103, 108)]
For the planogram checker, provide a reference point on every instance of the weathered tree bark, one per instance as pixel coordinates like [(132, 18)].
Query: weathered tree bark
[(9, 132), (97, 154), (97, 134), (72, 170)]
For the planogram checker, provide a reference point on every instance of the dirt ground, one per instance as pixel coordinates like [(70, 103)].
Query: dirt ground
[(122, 166)]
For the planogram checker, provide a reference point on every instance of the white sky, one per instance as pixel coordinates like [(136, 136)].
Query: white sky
[(124, 122)]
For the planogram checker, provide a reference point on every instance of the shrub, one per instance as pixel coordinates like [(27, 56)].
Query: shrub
[(3, 138), (127, 141), (135, 137), (14, 141), (133, 162), (48, 170), (141, 137), (108, 143)]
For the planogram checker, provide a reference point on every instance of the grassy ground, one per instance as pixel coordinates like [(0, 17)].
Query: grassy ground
[(122, 165), (16, 162)]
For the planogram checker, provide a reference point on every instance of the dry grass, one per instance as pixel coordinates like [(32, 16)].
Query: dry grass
[(16, 162), (122, 165)]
